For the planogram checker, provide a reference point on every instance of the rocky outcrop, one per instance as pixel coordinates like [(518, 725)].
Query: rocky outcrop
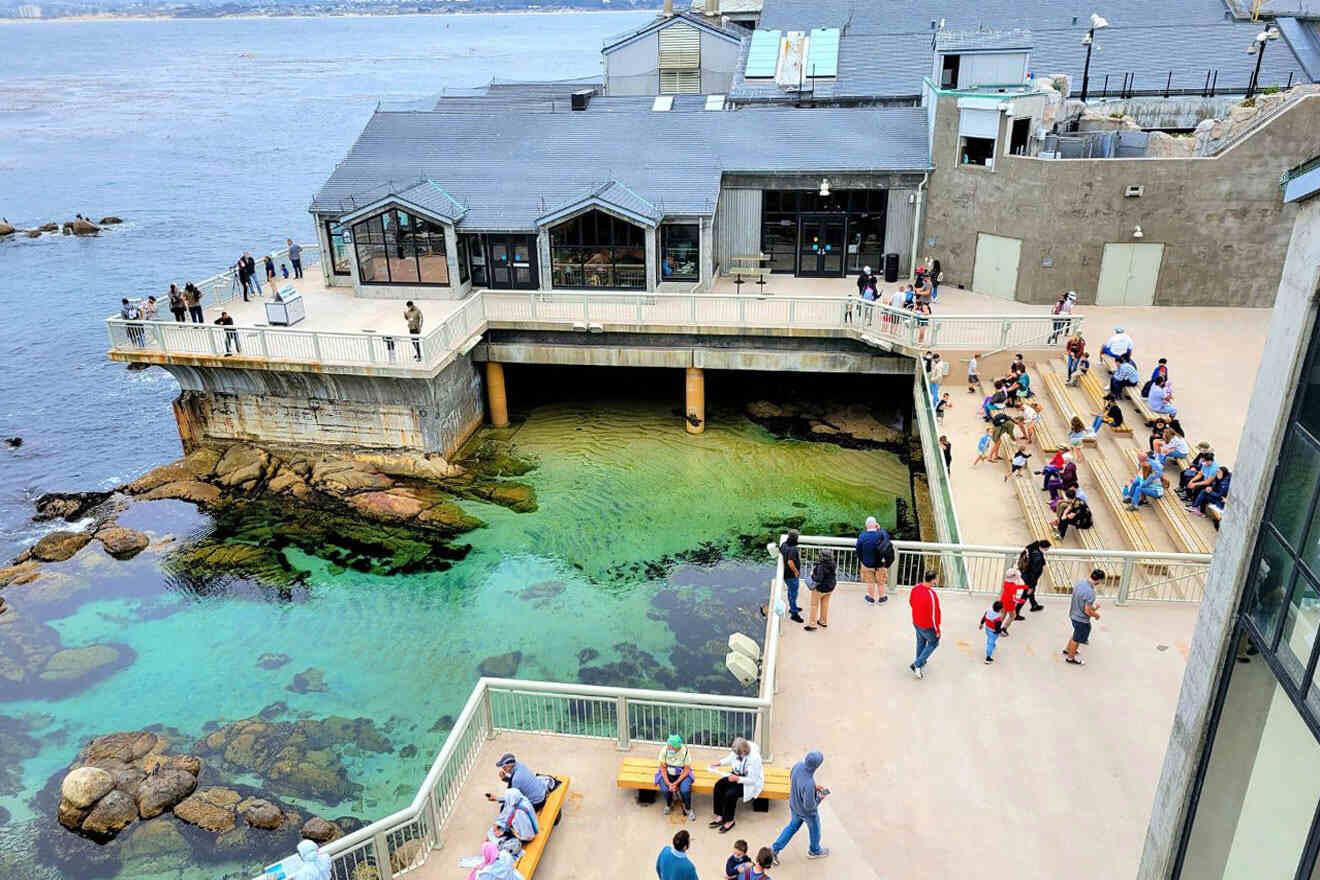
[(55, 547), (210, 809), (121, 543), (110, 221), (6, 229), (22, 573), (83, 227), (68, 506), (261, 813), (163, 789), (1213, 135), (854, 425)]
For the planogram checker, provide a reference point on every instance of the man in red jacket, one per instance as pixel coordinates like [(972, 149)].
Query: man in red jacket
[(925, 620)]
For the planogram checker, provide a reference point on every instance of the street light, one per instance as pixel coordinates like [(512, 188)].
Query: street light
[(1257, 48), (1097, 23)]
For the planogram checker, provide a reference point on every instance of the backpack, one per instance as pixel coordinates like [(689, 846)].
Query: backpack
[(1024, 560), (1083, 519)]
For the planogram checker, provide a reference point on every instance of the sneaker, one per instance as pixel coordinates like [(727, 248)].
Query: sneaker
[(668, 810), (917, 670), (1037, 607), (1019, 616), (824, 851), (1075, 661), (868, 598), (776, 859), (882, 600), (809, 628), (692, 815), (989, 660), (796, 618)]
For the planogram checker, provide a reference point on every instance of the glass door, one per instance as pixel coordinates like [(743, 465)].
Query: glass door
[(501, 267), (476, 248), (524, 264), (512, 262), (821, 245)]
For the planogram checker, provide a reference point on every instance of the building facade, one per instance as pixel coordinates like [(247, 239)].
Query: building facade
[(1239, 794)]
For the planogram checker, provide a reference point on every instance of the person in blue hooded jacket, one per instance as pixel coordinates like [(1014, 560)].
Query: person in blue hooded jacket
[(875, 552), (804, 797)]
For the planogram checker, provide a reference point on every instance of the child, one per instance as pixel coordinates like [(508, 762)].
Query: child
[(972, 378), (1019, 461), (1076, 437), (765, 857), (983, 446), (992, 621), (737, 860), (942, 406), (1010, 604), (1083, 367)]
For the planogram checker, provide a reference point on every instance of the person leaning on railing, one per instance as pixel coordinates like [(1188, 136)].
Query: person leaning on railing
[(192, 297)]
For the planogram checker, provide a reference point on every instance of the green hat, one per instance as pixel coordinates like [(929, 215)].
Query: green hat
[(675, 741)]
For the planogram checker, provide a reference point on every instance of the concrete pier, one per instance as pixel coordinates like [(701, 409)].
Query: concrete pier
[(695, 406)]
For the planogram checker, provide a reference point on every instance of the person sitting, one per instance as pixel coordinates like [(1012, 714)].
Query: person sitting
[(1024, 384), (997, 400), (1075, 347), (1065, 479), (1214, 494), (1125, 376), (1108, 414), (1119, 344), (1073, 511), (1161, 396), (1176, 449), (1156, 438), (495, 865), (516, 825), (1200, 473), (1161, 370), (1148, 483), (516, 774), (674, 775), (1050, 468), (744, 781)]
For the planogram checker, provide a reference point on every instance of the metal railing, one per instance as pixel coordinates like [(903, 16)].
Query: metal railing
[(1130, 575), (877, 325)]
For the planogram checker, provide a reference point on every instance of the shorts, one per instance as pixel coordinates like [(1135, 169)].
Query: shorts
[(875, 575), (973, 379), (1081, 631), (1001, 430)]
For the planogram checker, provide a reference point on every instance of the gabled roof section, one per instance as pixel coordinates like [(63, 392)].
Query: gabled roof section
[(1303, 37), (612, 195), (425, 197), (947, 42), (701, 22)]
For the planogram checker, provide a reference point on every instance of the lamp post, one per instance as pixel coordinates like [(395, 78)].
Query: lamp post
[(1097, 23), (1257, 48)]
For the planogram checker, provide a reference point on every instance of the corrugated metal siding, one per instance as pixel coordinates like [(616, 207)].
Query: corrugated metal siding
[(738, 227), (898, 227), (680, 47)]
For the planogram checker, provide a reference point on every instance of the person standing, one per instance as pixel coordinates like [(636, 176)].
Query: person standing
[(947, 449), (413, 316), (270, 270), (804, 797), (231, 336), (1031, 563), (193, 298), (244, 277), (824, 578), (1062, 312), (1075, 347), (925, 603), (788, 549), (992, 621), (129, 312), (295, 256), (178, 308), (673, 862), (250, 262), (1012, 606), (936, 273), (875, 553), (1083, 610), (939, 368)]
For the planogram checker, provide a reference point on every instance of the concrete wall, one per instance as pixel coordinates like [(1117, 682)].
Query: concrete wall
[(1221, 219), (1290, 331), (428, 415)]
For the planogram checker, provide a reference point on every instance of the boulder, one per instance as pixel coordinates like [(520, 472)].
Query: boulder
[(396, 505), (163, 790), (125, 747), (407, 855), (196, 465), (242, 467), (74, 663), (56, 547), (190, 764), (71, 817), (272, 661), (211, 809), (501, 665), (85, 786), (83, 227), (155, 847), (339, 477), (416, 466), (195, 491), (261, 813), (33, 233), (6, 229), (122, 543), (112, 814), (110, 221), (49, 227), (23, 573), (308, 681), (67, 228), (321, 831), (68, 506)]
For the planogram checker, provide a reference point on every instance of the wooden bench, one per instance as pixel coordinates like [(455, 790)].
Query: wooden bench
[(546, 820), (1058, 394), (1095, 393), (1039, 518), (1133, 394), (639, 774), (1129, 521), (1170, 509)]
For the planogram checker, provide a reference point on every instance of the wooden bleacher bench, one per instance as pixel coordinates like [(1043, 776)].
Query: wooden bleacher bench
[(1129, 521), (1170, 509), (1039, 519), (1095, 393), (1058, 394), (1133, 394), (546, 820), (639, 774)]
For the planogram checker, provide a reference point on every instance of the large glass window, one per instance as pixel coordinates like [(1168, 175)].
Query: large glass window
[(476, 247), (1261, 785), (340, 262), (396, 247), (680, 252), (597, 250), (462, 256)]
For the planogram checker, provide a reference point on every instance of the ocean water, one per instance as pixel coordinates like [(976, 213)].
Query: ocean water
[(209, 138)]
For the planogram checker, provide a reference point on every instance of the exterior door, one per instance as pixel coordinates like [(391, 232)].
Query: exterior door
[(1128, 274), (821, 249), (996, 270), (512, 262)]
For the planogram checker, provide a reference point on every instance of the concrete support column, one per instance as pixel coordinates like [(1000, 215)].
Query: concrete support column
[(695, 409), (499, 402)]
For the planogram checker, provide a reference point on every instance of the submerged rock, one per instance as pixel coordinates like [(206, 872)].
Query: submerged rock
[(320, 830), (77, 663), (110, 221), (311, 680), (211, 809), (501, 665), (273, 661)]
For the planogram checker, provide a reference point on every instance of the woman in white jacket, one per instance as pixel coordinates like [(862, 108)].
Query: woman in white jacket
[(744, 780)]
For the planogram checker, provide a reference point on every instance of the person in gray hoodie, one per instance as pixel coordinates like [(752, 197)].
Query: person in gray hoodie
[(804, 797)]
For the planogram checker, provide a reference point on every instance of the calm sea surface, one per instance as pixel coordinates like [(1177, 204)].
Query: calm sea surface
[(209, 138)]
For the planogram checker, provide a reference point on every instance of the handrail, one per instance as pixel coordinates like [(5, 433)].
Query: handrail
[(933, 547)]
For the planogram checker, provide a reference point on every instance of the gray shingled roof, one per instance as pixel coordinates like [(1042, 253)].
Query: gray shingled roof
[(510, 168), (884, 40), (733, 34), (1303, 38)]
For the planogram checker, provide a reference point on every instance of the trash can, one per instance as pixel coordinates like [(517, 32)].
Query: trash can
[(891, 268)]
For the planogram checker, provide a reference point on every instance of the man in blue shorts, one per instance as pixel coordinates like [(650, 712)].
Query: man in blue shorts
[(1084, 609)]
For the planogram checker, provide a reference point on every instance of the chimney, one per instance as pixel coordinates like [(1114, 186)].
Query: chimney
[(669, 8), (713, 8)]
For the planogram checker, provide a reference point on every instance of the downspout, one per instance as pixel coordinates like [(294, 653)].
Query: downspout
[(916, 223)]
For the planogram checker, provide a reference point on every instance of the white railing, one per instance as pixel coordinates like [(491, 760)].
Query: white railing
[(1130, 575), (621, 312), (224, 286)]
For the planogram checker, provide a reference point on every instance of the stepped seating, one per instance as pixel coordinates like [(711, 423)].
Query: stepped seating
[(1095, 393), (1058, 394), (1133, 394), (1170, 509), (1129, 521), (1039, 518)]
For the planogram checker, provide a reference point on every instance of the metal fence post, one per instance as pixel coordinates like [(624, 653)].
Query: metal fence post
[(792, 310), (489, 713), (693, 300), (265, 349), (1003, 333), (316, 346), (381, 844), (1125, 582), (767, 721), (621, 710)]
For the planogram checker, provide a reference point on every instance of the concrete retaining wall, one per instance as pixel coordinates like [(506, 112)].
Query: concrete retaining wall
[(427, 415)]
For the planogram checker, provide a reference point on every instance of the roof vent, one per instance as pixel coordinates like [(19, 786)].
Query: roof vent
[(714, 102), (582, 98), (662, 104)]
